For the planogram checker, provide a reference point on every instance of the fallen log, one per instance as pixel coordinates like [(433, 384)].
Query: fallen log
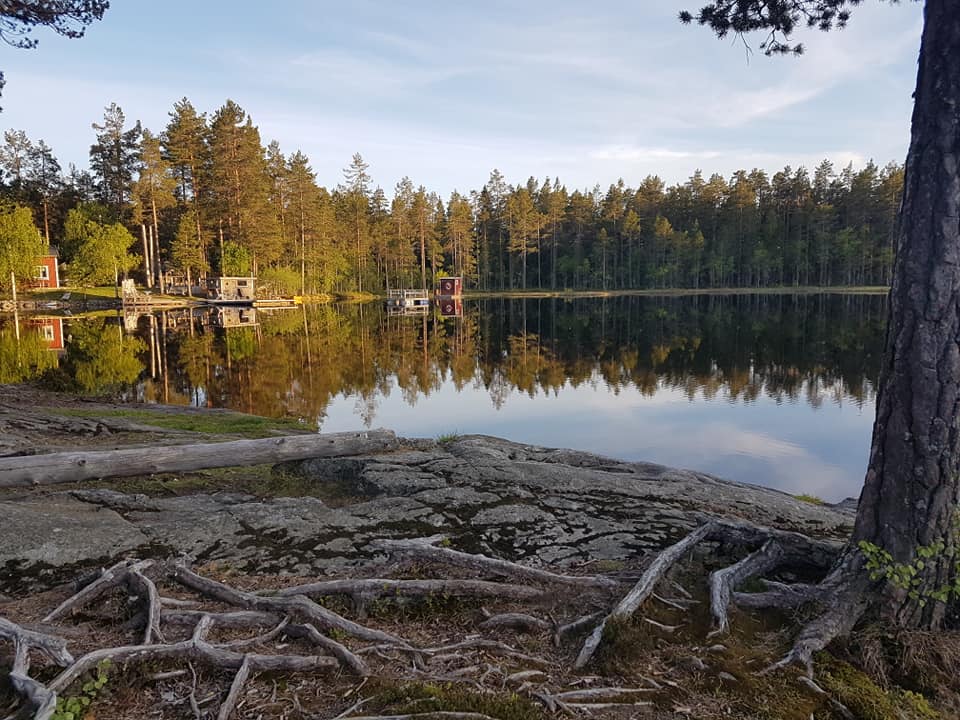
[(73, 466)]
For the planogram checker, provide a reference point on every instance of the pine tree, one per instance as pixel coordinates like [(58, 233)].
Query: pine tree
[(45, 180), (187, 253), (357, 196), (114, 160), (241, 186), (153, 192), (304, 208)]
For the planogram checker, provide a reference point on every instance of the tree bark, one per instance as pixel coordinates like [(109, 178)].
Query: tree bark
[(910, 497)]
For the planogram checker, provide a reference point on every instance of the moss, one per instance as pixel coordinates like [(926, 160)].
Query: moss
[(623, 644), (918, 706), (210, 423), (867, 700), (264, 481), (427, 697)]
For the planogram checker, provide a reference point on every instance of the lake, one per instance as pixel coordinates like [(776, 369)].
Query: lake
[(776, 390)]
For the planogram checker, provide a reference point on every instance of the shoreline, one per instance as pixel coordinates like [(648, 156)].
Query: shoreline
[(94, 303)]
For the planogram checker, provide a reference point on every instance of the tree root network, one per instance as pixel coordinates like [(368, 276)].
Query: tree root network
[(336, 643)]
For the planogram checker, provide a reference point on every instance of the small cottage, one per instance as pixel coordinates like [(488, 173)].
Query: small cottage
[(47, 274)]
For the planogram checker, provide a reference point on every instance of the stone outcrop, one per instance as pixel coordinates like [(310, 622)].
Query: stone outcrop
[(539, 505)]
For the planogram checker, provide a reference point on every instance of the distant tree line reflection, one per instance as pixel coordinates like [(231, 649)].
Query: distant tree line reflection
[(815, 348)]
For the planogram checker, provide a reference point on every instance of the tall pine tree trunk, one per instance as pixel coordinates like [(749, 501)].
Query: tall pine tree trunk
[(910, 498)]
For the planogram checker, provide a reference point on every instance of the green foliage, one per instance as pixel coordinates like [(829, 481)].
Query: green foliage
[(908, 576), (76, 707), (279, 281), (235, 260), (812, 499), (188, 251), (100, 253), (447, 438), (20, 244)]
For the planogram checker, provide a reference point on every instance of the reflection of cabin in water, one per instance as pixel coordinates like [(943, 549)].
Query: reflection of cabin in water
[(239, 290), (450, 306), (231, 317), (51, 331), (407, 302)]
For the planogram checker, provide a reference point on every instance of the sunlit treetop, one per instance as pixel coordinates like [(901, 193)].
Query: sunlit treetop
[(779, 18), (69, 18)]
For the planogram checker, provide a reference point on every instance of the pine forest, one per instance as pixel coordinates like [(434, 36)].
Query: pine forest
[(204, 195)]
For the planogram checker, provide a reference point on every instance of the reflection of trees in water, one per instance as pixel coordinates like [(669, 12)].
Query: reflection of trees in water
[(101, 358), (809, 348), (23, 353)]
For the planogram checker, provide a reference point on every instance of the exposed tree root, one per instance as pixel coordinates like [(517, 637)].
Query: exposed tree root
[(515, 621), (722, 582), (272, 616), (643, 589), (298, 606), (375, 589), (428, 549)]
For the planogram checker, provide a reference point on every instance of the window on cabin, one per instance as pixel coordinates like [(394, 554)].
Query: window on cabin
[(43, 272)]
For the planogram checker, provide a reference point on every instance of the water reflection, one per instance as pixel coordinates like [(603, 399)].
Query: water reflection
[(773, 389)]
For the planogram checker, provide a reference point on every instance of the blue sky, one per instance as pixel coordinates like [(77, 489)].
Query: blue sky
[(446, 91)]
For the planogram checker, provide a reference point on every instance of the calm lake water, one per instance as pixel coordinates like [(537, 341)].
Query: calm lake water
[(776, 390)]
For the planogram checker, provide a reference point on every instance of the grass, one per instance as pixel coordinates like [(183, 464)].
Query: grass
[(76, 294), (447, 438), (210, 423), (812, 499)]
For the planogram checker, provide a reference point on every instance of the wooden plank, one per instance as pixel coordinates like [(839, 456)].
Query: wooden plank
[(76, 466)]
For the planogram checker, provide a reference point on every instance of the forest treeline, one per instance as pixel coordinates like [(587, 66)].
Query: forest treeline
[(205, 195)]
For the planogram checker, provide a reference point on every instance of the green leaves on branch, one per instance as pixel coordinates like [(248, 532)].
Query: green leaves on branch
[(910, 576), (101, 252), (20, 244)]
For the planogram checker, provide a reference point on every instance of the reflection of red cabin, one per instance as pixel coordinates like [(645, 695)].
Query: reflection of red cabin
[(451, 307), (51, 330), (47, 274)]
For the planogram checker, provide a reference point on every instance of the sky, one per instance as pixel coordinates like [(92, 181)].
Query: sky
[(443, 92)]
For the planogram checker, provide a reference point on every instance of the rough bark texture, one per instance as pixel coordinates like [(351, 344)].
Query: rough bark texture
[(911, 492), (77, 466)]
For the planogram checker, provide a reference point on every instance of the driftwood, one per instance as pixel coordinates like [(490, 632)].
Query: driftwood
[(65, 467)]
